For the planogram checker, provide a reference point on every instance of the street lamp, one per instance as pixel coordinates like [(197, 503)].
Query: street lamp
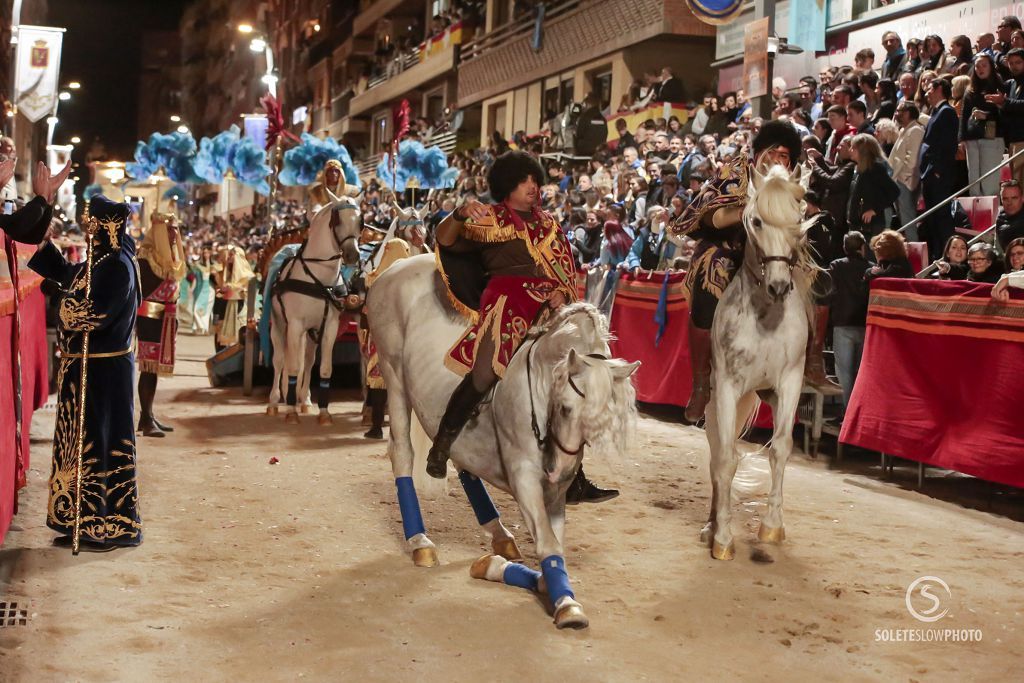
[(75, 140), (182, 128), (74, 85), (64, 96), (259, 43), (175, 118)]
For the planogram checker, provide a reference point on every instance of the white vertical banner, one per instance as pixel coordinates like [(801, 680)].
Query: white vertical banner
[(37, 70)]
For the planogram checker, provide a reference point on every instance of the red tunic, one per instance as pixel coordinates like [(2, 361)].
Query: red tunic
[(525, 262)]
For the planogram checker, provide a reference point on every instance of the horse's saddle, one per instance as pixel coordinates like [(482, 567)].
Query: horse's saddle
[(335, 295)]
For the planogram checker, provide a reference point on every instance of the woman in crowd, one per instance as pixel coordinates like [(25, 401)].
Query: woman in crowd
[(981, 260), (1015, 255), (924, 82), (873, 191), (961, 54), (887, 132), (935, 56), (638, 189), (981, 128), (888, 96), (913, 63), (890, 251), (953, 264)]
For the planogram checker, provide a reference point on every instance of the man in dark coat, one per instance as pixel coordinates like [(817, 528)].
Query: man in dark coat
[(670, 88), (1010, 221), (936, 162), (109, 515)]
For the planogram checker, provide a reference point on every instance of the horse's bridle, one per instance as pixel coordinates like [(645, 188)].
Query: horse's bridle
[(339, 243), (764, 260), (542, 441)]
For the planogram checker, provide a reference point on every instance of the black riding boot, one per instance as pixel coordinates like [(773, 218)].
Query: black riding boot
[(582, 490), (147, 392), (377, 400), (460, 408)]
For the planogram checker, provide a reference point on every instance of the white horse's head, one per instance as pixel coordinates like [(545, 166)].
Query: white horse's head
[(773, 220), (408, 220), (340, 222), (591, 399)]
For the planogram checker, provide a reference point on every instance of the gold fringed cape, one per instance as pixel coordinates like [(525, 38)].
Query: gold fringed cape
[(504, 305)]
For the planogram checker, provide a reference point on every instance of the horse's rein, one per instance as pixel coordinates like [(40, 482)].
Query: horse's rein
[(551, 436)]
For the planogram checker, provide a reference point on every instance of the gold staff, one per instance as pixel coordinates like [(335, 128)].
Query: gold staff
[(90, 231)]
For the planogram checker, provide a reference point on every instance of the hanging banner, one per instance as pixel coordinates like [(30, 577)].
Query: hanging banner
[(256, 129), (809, 31), (37, 70), (755, 58), (715, 12)]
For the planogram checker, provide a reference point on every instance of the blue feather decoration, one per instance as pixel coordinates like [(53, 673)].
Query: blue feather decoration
[(214, 157), (303, 162), (249, 162), (429, 165)]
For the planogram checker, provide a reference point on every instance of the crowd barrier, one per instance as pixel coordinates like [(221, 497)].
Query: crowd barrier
[(34, 372), (939, 381)]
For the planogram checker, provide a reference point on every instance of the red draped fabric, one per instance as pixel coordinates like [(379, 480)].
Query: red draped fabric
[(34, 386), (664, 376), (940, 378)]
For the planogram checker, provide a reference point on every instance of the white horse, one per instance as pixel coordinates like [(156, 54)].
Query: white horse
[(758, 344), (561, 391), (304, 301)]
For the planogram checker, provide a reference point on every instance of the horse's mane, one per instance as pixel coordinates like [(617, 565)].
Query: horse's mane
[(590, 313), (609, 411), (778, 203)]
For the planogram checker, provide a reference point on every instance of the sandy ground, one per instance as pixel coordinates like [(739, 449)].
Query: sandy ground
[(254, 571)]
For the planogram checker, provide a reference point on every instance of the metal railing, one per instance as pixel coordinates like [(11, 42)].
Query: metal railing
[(944, 204), (406, 61), (446, 141), (516, 28)]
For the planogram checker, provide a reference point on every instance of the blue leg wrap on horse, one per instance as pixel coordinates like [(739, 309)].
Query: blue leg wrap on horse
[(293, 382), (521, 575), (553, 568), (323, 396), (478, 498), (409, 505)]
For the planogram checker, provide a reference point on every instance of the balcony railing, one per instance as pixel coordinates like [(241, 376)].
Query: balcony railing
[(446, 141), (514, 29)]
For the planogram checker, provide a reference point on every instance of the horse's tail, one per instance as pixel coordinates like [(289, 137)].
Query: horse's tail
[(753, 475)]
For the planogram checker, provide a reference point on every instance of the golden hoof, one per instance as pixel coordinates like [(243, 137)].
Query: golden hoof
[(722, 552), (425, 557), (324, 419), (507, 548), (291, 418), (304, 408), (571, 616), (478, 570), (771, 535), (272, 411)]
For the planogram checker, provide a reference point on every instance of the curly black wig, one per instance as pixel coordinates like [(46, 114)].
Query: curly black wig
[(510, 169), (778, 134)]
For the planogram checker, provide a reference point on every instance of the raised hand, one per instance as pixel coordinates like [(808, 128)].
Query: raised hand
[(46, 185)]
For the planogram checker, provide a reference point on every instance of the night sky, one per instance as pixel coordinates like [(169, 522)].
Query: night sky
[(102, 48)]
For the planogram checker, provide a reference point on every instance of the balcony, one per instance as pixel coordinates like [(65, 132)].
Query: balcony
[(346, 125), (416, 68)]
